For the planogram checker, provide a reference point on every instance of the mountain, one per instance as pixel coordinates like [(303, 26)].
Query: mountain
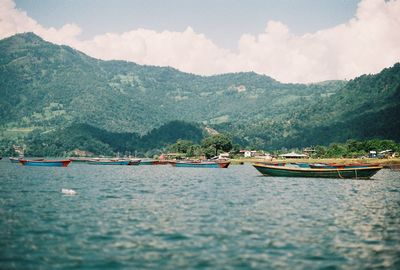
[(47, 88), (367, 107), (99, 141)]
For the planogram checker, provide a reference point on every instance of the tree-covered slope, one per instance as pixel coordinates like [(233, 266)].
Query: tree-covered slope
[(366, 107), (98, 141), (49, 87)]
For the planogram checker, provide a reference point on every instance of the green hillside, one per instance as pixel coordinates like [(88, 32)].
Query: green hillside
[(46, 89), (367, 107), (98, 141)]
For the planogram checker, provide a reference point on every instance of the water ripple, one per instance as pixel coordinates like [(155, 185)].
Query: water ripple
[(160, 217)]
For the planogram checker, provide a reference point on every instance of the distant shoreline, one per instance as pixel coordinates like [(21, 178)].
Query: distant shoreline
[(384, 161)]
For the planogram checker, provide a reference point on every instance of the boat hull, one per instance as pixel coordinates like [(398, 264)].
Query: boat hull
[(354, 172), (80, 160), (134, 162), (394, 167), (45, 163), (125, 162), (154, 162), (14, 160), (146, 162), (201, 164)]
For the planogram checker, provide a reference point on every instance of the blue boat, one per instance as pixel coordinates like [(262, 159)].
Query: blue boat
[(47, 163), (109, 162), (203, 164), (295, 170)]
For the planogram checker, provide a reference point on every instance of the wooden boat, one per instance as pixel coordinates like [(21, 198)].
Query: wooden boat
[(201, 164), (341, 166), (80, 160), (147, 162), (14, 160), (49, 163), (161, 162), (134, 162), (17, 160), (394, 167), (154, 162), (293, 170), (108, 162)]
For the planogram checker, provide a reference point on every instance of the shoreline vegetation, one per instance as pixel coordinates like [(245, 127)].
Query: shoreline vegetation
[(223, 146), (382, 161)]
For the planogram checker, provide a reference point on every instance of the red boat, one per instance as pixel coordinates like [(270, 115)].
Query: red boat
[(49, 163)]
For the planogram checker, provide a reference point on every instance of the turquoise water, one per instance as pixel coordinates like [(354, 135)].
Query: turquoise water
[(160, 217)]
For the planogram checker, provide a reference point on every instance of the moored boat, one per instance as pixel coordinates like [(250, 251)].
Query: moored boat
[(49, 163), (14, 160), (394, 167), (341, 166), (146, 162), (108, 162), (134, 162), (293, 170), (201, 164), (80, 160), (154, 162)]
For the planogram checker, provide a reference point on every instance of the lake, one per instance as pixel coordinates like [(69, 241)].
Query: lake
[(161, 217)]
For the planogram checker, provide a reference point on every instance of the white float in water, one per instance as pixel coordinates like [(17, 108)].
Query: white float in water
[(67, 191)]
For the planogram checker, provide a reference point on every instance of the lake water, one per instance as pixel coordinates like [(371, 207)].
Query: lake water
[(160, 217)]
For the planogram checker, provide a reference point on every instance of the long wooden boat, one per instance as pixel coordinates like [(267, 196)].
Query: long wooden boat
[(202, 164), (17, 160), (341, 166), (49, 163), (108, 162), (289, 170), (80, 160), (154, 162)]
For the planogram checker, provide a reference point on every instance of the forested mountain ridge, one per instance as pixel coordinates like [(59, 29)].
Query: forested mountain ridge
[(367, 107), (46, 84), (46, 87), (101, 142)]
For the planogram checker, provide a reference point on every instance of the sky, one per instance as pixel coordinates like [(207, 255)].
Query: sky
[(290, 40)]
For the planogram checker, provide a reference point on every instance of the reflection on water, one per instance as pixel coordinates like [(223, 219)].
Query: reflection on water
[(160, 217)]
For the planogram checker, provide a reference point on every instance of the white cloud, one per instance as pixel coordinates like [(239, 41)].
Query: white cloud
[(14, 21), (366, 44)]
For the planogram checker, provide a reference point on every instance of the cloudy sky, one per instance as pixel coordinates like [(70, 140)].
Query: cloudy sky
[(289, 40)]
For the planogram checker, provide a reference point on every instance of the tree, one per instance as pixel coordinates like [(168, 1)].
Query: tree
[(320, 151), (336, 150), (181, 146), (217, 143)]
